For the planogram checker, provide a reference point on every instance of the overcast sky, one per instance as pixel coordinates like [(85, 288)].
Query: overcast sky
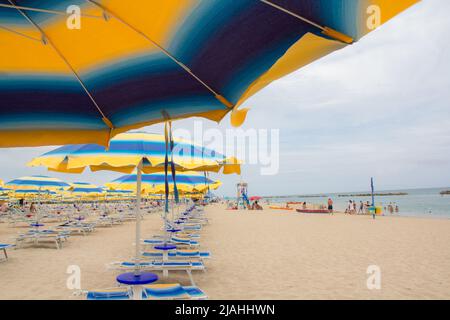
[(380, 108)]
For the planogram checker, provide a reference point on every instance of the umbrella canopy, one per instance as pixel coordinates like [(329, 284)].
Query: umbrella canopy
[(84, 188), (255, 198), (127, 150), (33, 193), (1, 182), (39, 183), (155, 183), (132, 64), (4, 190)]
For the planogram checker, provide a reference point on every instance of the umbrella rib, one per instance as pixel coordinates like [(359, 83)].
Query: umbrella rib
[(217, 95), (57, 12), (325, 30), (46, 40), (20, 33)]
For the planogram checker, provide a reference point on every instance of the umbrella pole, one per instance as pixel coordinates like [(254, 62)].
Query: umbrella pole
[(138, 215)]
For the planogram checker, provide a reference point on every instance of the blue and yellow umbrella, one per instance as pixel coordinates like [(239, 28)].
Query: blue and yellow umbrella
[(127, 150), (38, 183), (84, 188), (109, 66), (155, 183)]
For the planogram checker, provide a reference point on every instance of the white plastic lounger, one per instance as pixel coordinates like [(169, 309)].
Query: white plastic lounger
[(164, 266), (178, 254), (174, 240), (45, 236), (3, 247)]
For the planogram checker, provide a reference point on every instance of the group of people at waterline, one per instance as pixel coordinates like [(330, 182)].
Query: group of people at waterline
[(363, 207)]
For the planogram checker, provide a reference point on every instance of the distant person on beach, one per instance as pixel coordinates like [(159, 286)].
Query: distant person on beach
[(304, 205), (330, 205), (391, 208), (21, 203), (32, 208), (256, 206), (361, 208), (4, 207), (396, 208)]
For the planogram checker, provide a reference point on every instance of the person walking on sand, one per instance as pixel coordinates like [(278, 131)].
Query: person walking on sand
[(396, 208), (361, 208), (349, 207), (330, 205), (354, 207)]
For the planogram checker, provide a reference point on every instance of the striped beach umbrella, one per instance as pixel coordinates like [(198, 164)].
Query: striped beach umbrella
[(82, 71), (5, 190), (39, 183), (155, 183), (84, 188), (127, 150)]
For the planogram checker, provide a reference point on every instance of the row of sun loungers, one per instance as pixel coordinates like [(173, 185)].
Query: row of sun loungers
[(187, 257), (150, 292)]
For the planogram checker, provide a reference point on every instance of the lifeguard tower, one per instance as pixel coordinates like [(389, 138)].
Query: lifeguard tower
[(242, 198)]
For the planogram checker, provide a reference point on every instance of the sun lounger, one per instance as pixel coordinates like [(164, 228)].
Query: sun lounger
[(173, 292), (177, 241), (150, 292), (3, 247), (164, 266), (35, 238), (119, 293), (178, 254)]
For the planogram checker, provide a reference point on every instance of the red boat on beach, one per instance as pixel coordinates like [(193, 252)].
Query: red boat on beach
[(313, 210)]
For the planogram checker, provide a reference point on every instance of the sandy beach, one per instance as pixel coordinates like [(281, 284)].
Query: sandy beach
[(266, 254)]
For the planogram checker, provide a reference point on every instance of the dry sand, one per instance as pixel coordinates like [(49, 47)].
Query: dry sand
[(259, 255)]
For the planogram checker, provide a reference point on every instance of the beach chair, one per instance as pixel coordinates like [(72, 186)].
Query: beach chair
[(74, 228), (178, 254), (163, 266), (172, 292), (119, 293), (176, 241), (3, 247), (37, 237)]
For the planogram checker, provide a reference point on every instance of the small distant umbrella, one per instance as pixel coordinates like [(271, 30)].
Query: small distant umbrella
[(41, 183), (255, 198), (155, 182)]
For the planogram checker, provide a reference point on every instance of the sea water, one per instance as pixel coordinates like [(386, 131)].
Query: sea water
[(417, 202)]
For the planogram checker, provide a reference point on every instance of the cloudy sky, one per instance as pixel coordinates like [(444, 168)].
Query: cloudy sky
[(380, 108)]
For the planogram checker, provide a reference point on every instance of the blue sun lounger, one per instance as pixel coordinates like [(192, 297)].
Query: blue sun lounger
[(3, 247), (164, 266), (179, 254), (172, 292), (150, 292)]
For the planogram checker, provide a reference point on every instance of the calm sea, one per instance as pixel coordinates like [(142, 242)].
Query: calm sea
[(417, 202)]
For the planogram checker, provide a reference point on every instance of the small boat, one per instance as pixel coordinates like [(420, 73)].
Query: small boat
[(280, 208), (313, 211)]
